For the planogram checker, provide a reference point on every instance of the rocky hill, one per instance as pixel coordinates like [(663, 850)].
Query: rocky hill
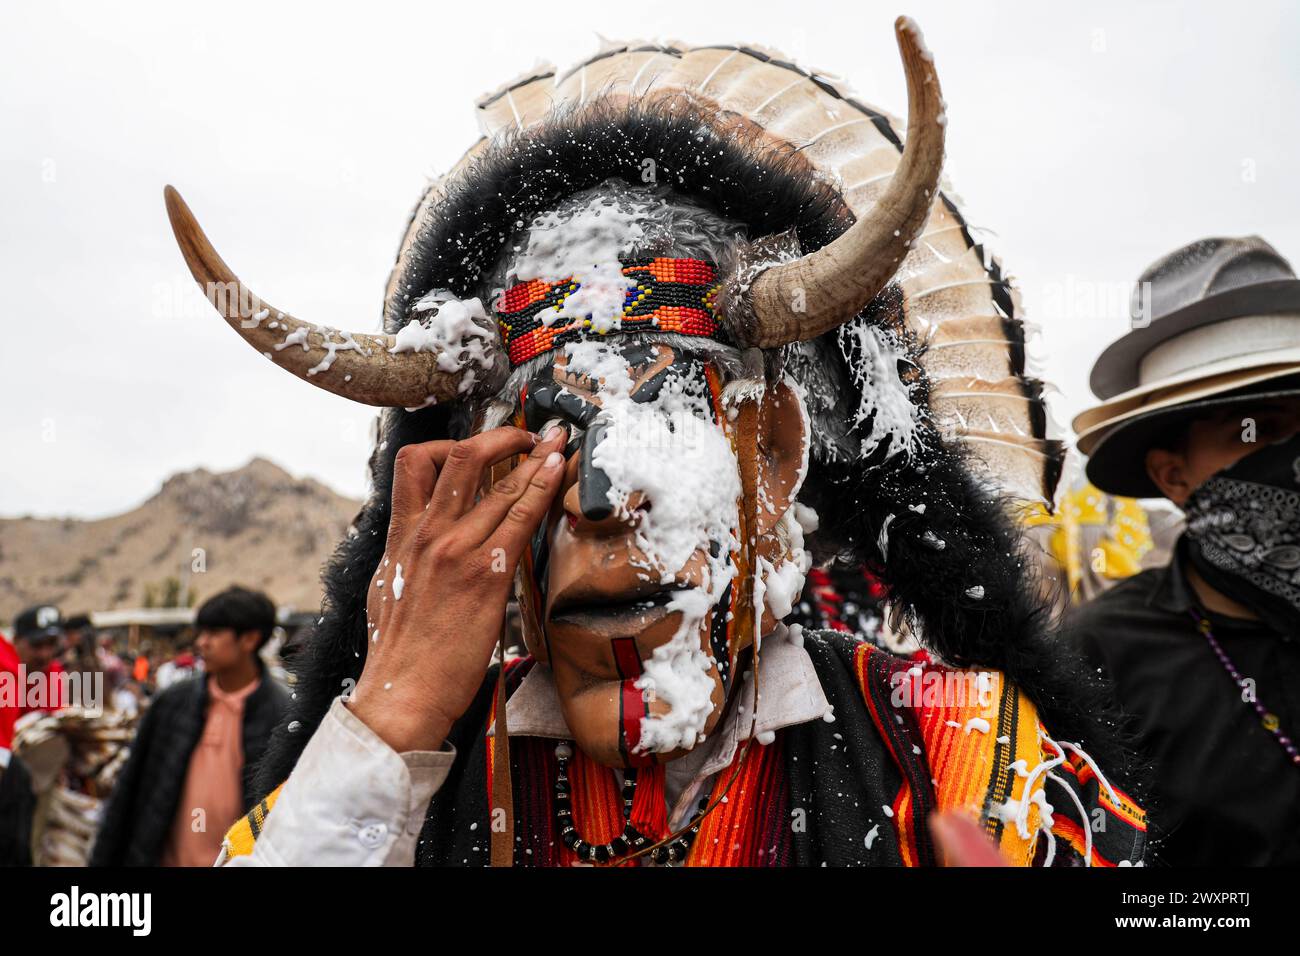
[(257, 526)]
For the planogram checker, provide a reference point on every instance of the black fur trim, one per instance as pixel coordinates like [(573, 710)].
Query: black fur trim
[(767, 188)]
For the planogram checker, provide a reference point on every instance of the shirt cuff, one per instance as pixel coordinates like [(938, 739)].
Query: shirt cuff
[(351, 800)]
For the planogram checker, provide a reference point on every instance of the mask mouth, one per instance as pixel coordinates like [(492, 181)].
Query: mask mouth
[(638, 608)]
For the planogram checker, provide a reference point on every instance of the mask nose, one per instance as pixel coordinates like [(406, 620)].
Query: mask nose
[(593, 483), (587, 502)]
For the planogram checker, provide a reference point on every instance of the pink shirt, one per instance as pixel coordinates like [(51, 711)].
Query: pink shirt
[(213, 796)]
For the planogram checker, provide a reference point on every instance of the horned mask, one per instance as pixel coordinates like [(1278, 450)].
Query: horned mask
[(814, 314)]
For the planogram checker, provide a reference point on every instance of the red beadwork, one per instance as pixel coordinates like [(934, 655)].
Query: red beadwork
[(675, 295)]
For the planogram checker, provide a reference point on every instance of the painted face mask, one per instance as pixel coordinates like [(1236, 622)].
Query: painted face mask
[(1243, 533), (630, 592)]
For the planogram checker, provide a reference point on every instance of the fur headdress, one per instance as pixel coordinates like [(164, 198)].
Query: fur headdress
[(924, 419)]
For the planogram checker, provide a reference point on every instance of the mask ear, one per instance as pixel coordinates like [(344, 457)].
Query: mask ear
[(782, 452), (779, 451)]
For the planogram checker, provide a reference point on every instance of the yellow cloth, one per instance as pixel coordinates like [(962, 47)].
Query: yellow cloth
[(1093, 535), (241, 837)]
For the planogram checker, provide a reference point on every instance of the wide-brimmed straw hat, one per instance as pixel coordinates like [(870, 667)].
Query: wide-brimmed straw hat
[(1216, 322)]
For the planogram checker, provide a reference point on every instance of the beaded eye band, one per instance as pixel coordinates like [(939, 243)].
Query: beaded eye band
[(670, 295)]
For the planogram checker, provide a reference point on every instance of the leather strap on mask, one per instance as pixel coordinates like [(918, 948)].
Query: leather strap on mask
[(503, 797), (745, 442)]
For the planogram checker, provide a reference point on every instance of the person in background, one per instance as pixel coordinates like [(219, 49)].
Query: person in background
[(140, 668), (189, 774), (180, 667), (1201, 405), (122, 695), (38, 632), (79, 645), (17, 810)]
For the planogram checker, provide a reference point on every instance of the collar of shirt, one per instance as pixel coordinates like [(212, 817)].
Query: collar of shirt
[(790, 694), (234, 697), (1173, 592)]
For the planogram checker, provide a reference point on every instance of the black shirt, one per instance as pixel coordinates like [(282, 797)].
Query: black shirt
[(1222, 790)]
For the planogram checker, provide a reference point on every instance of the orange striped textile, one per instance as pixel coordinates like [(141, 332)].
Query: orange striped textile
[(987, 755)]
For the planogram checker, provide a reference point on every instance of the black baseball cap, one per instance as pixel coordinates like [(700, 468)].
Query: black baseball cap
[(38, 624)]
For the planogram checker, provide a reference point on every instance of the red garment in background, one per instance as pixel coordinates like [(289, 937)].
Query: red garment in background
[(10, 663), (8, 672), (141, 670)]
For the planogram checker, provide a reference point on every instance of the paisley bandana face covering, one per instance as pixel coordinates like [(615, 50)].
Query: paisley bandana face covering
[(1243, 533)]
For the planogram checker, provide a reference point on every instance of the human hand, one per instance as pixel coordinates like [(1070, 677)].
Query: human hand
[(437, 602)]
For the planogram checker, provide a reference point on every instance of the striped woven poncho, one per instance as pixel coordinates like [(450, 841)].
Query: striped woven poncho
[(853, 792)]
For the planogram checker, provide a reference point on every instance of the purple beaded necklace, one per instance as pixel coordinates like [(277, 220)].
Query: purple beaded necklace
[(1266, 717)]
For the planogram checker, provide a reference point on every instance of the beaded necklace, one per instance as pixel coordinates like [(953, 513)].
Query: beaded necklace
[(1267, 718), (631, 839)]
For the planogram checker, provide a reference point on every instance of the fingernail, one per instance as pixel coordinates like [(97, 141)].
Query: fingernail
[(554, 432), (553, 460)]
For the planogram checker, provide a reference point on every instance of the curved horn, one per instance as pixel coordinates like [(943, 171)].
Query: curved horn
[(363, 368), (838, 280)]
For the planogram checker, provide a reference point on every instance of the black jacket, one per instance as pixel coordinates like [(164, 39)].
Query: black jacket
[(1223, 790), (17, 805), (143, 805)]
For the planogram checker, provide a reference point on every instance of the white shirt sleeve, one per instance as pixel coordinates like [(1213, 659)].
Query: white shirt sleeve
[(351, 801)]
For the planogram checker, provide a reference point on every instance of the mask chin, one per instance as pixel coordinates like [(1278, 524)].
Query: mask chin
[(605, 715)]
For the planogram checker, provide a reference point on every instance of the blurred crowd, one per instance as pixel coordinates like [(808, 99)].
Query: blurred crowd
[(90, 718)]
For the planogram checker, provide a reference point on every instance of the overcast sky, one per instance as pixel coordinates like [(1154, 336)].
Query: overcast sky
[(1090, 140)]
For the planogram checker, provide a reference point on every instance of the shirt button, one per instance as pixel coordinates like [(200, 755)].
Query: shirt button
[(372, 836)]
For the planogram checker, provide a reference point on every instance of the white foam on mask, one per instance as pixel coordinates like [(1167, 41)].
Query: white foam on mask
[(783, 582), (886, 400), (457, 330), (673, 453), (584, 244)]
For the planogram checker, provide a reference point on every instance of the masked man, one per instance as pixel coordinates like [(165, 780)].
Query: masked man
[(1202, 405), (732, 332)]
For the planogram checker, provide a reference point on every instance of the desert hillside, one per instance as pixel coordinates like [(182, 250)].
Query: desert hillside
[(258, 526)]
